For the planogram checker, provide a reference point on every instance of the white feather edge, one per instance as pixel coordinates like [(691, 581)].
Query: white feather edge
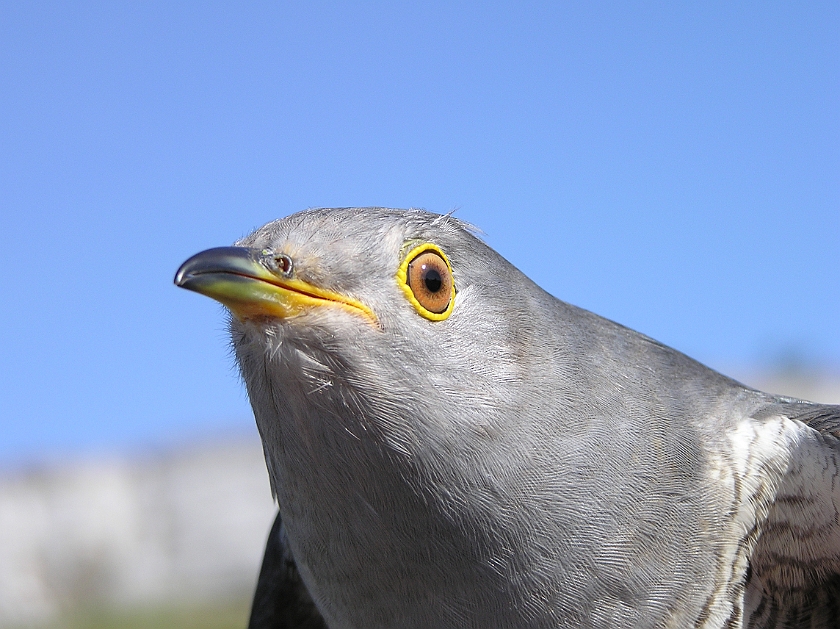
[(781, 478)]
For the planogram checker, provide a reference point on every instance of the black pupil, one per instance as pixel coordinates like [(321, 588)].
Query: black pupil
[(432, 279)]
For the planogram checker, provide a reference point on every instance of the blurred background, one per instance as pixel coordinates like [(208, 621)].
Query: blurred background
[(671, 166)]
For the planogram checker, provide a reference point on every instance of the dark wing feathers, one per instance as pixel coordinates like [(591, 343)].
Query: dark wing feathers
[(824, 418), (281, 600)]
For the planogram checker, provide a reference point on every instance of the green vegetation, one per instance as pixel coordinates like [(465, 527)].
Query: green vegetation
[(229, 615)]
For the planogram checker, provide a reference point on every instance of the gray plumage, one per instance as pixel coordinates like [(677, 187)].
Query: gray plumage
[(521, 463)]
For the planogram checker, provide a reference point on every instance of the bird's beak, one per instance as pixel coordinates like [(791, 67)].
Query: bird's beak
[(250, 284)]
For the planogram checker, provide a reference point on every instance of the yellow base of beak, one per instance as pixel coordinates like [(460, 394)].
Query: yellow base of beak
[(235, 277)]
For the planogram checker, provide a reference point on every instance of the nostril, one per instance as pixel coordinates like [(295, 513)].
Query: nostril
[(284, 264)]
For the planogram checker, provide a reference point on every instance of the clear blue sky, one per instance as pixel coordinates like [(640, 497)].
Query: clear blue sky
[(672, 166)]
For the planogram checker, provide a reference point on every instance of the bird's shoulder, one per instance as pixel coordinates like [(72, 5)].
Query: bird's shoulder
[(794, 567)]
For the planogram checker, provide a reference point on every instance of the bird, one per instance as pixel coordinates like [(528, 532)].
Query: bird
[(451, 446)]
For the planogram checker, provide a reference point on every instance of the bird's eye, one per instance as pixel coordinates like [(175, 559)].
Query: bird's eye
[(426, 278)]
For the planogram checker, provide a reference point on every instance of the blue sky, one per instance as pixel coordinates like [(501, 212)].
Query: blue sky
[(672, 166)]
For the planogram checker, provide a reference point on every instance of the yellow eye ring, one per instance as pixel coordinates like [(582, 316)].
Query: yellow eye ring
[(425, 276)]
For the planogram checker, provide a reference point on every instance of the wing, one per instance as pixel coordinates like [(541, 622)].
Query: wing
[(281, 600), (794, 572)]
